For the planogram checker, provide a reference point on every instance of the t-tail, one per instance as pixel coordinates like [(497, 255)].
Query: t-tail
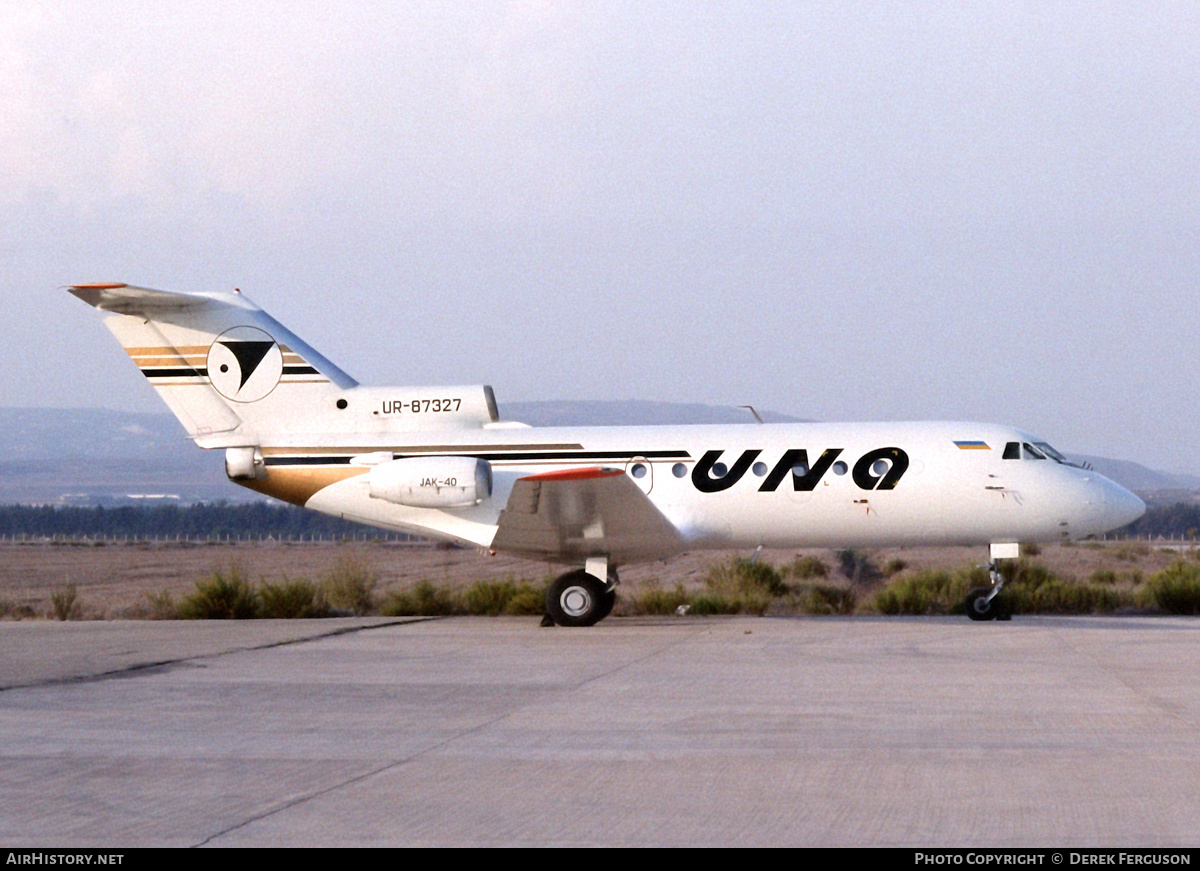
[(237, 379)]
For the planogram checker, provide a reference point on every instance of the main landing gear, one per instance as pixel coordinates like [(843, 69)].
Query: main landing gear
[(985, 603), (580, 598)]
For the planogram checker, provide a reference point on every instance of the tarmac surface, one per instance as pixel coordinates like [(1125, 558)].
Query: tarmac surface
[(1072, 732)]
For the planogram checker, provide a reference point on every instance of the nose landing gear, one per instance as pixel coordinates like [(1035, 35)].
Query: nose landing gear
[(985, 603)]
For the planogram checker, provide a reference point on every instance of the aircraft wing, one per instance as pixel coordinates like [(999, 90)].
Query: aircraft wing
[(573, 514)]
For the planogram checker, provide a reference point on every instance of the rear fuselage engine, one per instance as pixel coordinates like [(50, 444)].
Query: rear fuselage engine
[(432, 482)]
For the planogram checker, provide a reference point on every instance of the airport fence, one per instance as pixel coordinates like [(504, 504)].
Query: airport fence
[(207, 523), (383, 537)]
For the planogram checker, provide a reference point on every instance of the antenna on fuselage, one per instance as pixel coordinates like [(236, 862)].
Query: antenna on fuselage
[(752, 411)]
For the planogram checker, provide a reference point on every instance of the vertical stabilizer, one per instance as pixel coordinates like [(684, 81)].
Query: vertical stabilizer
[(221, 364)]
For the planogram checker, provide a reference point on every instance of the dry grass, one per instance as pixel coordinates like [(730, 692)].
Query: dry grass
[(66, 604), (150, 580)]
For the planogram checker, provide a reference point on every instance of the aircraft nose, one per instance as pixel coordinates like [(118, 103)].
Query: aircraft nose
[(1120, 506)]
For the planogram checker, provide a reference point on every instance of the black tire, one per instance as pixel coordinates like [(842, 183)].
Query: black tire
[(606, 603), (578, 599), (978, 607)]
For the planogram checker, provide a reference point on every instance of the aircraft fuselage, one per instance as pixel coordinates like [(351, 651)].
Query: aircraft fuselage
[(729, 486)]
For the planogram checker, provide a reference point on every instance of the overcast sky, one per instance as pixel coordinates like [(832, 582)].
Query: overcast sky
[(982, 211)]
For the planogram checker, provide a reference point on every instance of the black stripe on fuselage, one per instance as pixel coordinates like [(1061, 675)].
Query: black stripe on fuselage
[(622, 456)]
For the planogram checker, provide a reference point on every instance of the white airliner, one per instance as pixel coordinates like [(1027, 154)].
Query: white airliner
[(439, 462)]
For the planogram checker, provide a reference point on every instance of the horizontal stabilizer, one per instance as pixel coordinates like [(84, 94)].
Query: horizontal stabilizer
[(125, 298)]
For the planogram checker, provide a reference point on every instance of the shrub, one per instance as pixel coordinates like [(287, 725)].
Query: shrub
[(8, 608), (1176, 589), (66, 603), (493, 598), (737, 586), (528, 601), (1064, 597), (1026, 573), (422, 600), (806, 567), (652, 599), (929, 592), (489, 598), (221, 597), (292, 600), (823, 599), (760, 575), (1131, 551), (350, 586), (1033, 588), (707, 605), (161, 606)]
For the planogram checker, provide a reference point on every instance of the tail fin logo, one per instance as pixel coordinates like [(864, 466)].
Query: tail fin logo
[(244, 364)]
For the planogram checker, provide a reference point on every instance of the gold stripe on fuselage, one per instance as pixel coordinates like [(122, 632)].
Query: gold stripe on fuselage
[(299, 485)]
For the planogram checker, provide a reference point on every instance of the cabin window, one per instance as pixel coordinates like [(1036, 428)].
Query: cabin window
[(638, 470), (759, 469), (840, 468), (679, 470), (719, 470), (879, 468), (1012, 451)]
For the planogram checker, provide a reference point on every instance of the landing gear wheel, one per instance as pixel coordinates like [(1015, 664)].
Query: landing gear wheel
[(978, 607), (578, 599), (606, 603)]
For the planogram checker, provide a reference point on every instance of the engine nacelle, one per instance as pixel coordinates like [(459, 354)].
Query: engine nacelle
[(244, 464), (432, 482)]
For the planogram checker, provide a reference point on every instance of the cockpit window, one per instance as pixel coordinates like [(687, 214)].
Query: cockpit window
[(1037, 451), (1050, 452)]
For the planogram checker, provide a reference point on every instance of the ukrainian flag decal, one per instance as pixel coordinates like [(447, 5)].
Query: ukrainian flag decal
[(972, 445)]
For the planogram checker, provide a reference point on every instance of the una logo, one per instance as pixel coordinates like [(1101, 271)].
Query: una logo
[(880, 469), (244, 364)]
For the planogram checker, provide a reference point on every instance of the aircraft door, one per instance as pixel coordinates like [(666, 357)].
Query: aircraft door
[(641, 471)]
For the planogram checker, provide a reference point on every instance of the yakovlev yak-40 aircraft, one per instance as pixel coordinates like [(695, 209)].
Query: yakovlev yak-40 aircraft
[(439, 462)]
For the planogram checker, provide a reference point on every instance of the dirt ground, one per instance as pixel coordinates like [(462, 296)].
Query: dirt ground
[(114, 580)]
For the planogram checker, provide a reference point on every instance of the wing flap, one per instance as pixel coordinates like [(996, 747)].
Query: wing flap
[(578, 513)]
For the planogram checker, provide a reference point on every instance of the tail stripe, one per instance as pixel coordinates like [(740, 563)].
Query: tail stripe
[(161, 372), (191, 362)]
